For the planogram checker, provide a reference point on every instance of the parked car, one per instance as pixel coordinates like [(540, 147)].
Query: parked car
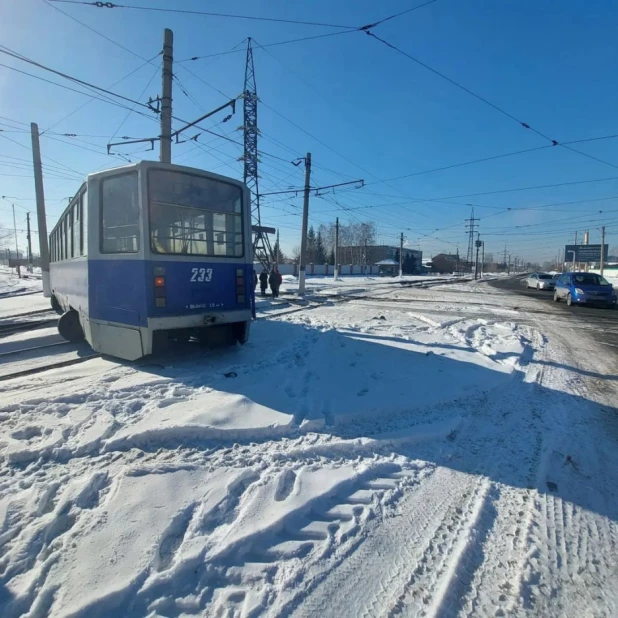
[(540, 281), (578, 288)]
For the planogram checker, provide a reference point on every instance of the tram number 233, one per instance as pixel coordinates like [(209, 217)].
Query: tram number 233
[(201, 275)]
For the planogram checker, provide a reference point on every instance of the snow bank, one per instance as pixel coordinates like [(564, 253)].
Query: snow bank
[(11, 284)]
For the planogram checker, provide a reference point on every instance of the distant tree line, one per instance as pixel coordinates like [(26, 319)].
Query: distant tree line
[(353, 236)]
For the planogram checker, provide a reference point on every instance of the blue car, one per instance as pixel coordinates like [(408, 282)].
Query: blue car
[(579, 288)]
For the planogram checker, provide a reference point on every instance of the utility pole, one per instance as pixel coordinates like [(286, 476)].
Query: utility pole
[(40, 208), (15, 230), (365, 257), (278, 252), (602, 249), (508, 271), (28, 237), (165, 155), (476, 262), (336, 248), (303, 240), (472, 226), (483, 259), (401, 255)]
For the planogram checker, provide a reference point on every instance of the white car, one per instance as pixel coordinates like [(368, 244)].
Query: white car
[(541, 281)]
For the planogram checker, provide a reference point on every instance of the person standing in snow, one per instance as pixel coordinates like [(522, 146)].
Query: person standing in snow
[(255, 280), (275, 281), (263, 281)]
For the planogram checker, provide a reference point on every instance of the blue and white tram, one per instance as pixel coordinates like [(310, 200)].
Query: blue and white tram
[(151, 251)]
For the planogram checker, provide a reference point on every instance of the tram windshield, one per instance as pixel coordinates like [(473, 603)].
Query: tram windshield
[(194, 215)]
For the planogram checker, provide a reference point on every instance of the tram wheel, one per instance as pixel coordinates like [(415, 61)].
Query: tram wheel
[(69, 326)]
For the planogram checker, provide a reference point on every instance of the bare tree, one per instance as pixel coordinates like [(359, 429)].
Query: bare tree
[(353, 237)]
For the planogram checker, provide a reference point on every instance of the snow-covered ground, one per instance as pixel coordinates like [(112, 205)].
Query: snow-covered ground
[(11, 283), (377, 450)]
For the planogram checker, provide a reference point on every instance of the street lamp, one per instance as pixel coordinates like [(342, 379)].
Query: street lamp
[(573, 252)]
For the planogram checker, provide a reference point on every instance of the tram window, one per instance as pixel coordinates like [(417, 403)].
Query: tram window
[(194, 215), (65, 233), (62, 240), (76, 229), (84, 213), (120, 214), (70, 233)]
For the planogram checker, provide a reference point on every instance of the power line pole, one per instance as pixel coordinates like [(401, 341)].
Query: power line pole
[(483, 259), (365, 258), (476, 261), (15, 230), (471, 226), (602, 249), (40, 208), (401, 255), (165, 153), (262, 251), (303, 240), (336, 248), (28, 237), (278, 251)]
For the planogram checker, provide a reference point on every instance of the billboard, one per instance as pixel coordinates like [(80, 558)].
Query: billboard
[(583, 253)]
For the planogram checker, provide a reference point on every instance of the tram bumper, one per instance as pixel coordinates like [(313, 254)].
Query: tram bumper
[(191, 322)]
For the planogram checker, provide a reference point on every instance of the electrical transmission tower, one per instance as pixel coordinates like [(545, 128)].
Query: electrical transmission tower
[(262, 251), (471, 228)]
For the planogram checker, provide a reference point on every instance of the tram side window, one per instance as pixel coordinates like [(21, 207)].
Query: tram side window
[(63, 253), (77, 230), (70, 251), (120, 214), (65, 236), (84, 218)]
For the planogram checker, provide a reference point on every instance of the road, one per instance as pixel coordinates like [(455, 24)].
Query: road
[(602, 323)]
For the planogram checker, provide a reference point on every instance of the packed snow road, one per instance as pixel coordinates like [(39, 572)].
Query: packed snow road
[(376, 451)]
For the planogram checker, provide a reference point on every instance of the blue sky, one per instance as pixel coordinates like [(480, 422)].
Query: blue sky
[(362, 109)]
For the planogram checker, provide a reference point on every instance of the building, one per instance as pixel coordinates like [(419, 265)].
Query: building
[(446, 263), (372, 254)]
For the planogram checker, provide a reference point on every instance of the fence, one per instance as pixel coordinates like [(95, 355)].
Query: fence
[(321, 270)]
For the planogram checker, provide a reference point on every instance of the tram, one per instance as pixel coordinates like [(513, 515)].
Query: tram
[(149, 252)]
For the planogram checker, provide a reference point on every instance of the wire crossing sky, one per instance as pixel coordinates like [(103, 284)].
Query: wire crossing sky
[(439, 106)]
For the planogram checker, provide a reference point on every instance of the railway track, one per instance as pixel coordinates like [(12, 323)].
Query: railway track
[(4, 355), (56, 365), (10, 325)]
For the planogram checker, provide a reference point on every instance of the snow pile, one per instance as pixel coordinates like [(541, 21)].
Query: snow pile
[(11, 284)]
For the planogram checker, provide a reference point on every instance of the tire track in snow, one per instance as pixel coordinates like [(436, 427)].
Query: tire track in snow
[(495, 587), (393, 562), (290, 558), (571, 568), (448, 565)]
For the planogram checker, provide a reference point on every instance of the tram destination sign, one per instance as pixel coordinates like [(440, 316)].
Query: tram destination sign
[(583, 253)]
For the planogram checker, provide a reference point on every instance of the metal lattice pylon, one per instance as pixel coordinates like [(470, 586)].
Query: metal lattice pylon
[(471, 226), (262, 250)]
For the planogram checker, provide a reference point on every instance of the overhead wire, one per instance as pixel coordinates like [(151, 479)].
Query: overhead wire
[(501, 110), (131, 110), (111, 5)]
